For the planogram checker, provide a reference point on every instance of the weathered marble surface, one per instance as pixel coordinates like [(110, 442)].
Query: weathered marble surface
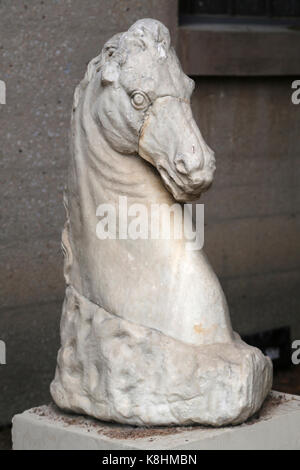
[(146, 332), (114, 369)]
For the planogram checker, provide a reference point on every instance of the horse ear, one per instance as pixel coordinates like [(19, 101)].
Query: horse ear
[(109, 73)]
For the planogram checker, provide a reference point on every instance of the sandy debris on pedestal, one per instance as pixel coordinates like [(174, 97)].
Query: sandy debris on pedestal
[(119, 431), (270, 403)]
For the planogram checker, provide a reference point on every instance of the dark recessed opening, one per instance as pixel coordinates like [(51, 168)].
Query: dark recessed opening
[(240, 11)]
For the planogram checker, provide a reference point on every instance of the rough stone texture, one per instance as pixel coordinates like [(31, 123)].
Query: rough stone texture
[(275, 428), (116, 370), (252, 124)]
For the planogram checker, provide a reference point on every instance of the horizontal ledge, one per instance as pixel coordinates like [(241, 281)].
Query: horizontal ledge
[(239, 50), (48, 428)]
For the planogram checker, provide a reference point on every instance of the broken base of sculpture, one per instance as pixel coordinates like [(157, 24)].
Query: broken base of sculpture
[(116, 370)]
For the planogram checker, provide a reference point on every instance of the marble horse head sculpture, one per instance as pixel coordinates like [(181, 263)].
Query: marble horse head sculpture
[(146, 333)]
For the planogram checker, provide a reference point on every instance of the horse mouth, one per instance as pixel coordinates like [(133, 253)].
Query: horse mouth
[(190, 189)]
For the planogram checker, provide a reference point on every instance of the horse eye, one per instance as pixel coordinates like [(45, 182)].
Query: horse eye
[(139, 100)]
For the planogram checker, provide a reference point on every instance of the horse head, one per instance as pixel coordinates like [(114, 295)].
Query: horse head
[(142, 104)]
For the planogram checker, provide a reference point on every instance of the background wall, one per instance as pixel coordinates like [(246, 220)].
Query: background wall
[(251, 212)]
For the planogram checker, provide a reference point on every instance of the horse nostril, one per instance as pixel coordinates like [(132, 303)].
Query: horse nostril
[(180, 164), (187, 164)]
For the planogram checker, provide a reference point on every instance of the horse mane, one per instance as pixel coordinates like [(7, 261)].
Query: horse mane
[(145, 33)]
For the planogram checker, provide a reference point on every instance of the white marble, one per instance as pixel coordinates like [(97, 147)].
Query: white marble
[(146, 332)]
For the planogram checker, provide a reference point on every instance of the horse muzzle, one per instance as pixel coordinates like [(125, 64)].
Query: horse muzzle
[(187, 186), (171, 141)]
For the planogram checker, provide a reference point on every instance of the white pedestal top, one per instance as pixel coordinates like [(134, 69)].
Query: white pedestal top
[(47, 428)]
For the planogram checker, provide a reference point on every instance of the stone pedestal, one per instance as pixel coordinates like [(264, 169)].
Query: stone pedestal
[(276, 426)]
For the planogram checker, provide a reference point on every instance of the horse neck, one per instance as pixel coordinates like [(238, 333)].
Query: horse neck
[(101, 174)]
